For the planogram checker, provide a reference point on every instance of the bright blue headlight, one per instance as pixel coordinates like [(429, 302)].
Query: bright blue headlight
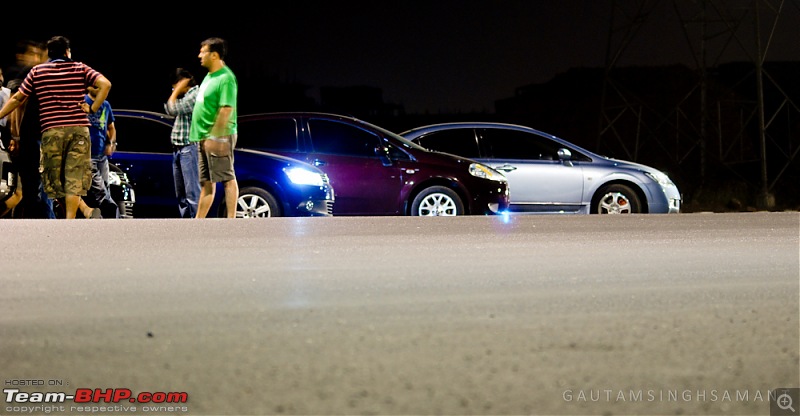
[(302, 176)]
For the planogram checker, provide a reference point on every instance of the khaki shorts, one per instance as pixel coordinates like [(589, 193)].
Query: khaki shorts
[(66, 161), (216, 168)]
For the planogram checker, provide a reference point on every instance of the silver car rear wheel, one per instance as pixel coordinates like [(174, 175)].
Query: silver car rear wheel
[(437, 201)]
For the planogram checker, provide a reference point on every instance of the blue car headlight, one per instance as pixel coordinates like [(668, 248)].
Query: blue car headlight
[(483, 171), (301, 176), (661, 178)]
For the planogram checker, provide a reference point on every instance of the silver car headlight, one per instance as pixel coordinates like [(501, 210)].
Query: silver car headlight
[(302, 176), (114, 179), (483, 171), (661, 178)]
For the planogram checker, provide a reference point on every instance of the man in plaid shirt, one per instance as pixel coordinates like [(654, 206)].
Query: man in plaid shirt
[(184, 153)]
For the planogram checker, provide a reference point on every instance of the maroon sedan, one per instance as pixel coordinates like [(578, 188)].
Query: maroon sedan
[(374, 171)]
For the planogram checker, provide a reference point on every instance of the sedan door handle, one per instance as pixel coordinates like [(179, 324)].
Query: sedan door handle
[(318, 162), (506, 168)]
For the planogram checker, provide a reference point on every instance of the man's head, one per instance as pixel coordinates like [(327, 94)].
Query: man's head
[(183, 73), (30, 53), (212, 53), (58, 47)]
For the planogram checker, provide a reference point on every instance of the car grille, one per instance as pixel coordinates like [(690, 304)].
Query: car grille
[(329, 203), (126, 210)]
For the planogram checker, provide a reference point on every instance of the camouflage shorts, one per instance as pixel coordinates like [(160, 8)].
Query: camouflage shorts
[(66, 161)]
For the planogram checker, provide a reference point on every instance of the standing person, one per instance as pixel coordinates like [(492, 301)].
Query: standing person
[(60, 84), (28, 137), (28, 54), (214, 126), (104, 141), (180, 105), (5, 143)]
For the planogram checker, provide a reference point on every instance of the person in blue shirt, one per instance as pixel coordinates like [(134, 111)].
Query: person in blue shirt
[(104, 142)]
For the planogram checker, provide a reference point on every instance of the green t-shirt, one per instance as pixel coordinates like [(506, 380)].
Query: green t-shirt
[(218, 89)]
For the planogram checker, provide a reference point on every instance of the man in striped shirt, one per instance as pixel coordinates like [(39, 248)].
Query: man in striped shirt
[(60, 84)]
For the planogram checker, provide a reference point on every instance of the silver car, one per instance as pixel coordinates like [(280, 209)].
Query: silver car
[(547, 174)]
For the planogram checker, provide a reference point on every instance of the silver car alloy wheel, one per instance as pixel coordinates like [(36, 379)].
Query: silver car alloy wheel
[(615, 203), (252, 206), (438, 204)]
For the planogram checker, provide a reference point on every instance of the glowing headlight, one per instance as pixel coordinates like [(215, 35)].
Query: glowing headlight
[(302, 176), (483, 171), (661, 178), (114, 179)]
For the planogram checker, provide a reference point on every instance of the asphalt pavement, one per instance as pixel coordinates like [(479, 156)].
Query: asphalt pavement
[(543, 315)]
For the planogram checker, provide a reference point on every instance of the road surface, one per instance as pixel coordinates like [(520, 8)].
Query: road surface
[(544, 315)]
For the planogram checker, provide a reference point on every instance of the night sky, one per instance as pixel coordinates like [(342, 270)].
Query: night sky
[(429, 56)]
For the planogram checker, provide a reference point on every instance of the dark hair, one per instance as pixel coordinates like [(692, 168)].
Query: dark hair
[(14, 84), (57, 47), (218, 45), (181, 73)]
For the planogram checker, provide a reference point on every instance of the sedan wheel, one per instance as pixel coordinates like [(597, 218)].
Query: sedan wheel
[(254, 203), (437, 201), (617, 199)]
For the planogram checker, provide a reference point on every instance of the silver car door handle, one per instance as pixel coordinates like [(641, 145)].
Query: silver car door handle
[(506, 168)]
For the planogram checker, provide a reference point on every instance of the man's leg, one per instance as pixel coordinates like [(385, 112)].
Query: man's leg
[(35, 202), (108, 207), (191, 177), (180, 187), (207, 189), (72, 202), (231, 195)]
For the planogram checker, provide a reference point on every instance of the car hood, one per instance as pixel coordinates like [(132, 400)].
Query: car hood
[(625, 164)]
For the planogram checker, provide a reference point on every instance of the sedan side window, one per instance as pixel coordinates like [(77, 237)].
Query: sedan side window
[(268, 134), (142, 135), (341, 139), (509, 144), (460, 142)]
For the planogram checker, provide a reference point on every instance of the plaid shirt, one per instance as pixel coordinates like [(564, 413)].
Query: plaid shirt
[(181, 109)]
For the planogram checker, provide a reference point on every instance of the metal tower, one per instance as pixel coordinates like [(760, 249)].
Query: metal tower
[(698, 120)]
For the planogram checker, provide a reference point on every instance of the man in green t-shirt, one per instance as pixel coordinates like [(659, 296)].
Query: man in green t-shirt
[(214, 126)]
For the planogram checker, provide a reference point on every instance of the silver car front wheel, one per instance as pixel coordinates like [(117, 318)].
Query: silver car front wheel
[(617, 199)]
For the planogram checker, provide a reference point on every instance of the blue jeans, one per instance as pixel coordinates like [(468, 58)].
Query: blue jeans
[(99, 195), (187, 179)]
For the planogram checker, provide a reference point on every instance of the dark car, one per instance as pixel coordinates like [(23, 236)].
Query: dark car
[(270, 185), (374, 171), (548, 174), (118, 184)]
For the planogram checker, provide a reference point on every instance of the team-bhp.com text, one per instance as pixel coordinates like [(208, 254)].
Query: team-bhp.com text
[(93, 396)]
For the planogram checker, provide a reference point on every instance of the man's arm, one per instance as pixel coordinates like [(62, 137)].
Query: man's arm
[(103, 86), (111, 139), (15, 101), (220, 127), (176, 106)]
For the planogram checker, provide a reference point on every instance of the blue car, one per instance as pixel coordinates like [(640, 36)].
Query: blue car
[(269, 185)]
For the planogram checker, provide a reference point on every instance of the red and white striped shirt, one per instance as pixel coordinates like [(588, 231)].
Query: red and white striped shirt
[(60, 85)]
